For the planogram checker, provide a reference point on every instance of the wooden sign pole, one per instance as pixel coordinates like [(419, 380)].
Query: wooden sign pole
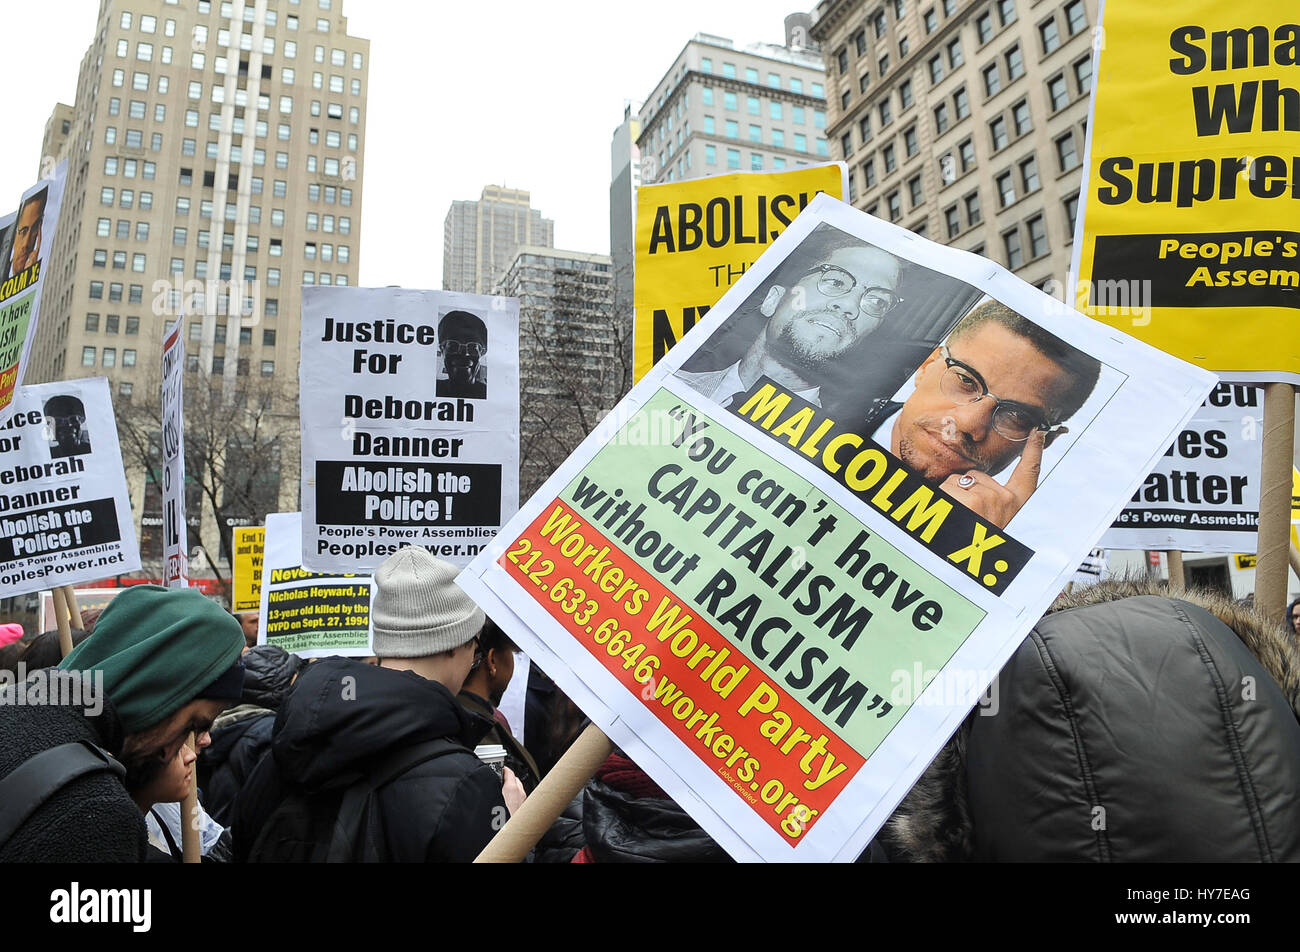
[(1275, 501), (190, 815), (61, 621), (1176, 575), (556, 791), (74, 612)]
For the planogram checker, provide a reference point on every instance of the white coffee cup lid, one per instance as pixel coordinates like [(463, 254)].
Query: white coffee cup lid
[(490, 752)]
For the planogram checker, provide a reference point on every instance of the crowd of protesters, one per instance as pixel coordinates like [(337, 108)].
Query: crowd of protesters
[(1122, 732)]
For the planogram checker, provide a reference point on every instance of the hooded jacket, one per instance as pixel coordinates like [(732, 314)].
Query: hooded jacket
[(1130, 726), (342, 719), (241, 735)]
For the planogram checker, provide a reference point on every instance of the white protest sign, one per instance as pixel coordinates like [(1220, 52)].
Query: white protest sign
[(26, 244), (65, 514), (792, 559), (1203, 495), (410, 423), (176, 564), (309, 614)]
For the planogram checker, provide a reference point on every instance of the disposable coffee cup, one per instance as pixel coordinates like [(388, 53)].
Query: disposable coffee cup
[(494, 755)]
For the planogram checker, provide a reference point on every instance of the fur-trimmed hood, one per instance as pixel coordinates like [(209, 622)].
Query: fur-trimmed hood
[(1133, 724)]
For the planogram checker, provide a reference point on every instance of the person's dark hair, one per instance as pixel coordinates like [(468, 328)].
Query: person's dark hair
[(492, 638), (462, 321), (1082, 368), (37, 651), (1289, 609)]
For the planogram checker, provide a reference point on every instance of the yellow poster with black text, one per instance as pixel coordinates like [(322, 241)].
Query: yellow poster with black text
[(695, 238), (246, 568), (1190, 235)]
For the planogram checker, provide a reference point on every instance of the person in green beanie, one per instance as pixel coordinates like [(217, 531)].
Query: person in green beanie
[(162, 664)]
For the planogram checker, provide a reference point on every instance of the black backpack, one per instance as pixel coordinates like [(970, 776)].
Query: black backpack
[(338, 826)]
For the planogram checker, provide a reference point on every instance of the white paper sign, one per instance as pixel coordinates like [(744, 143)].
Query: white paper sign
[(410, 423), (789, 563), (176, 564), (1203, 495), (65, 514)]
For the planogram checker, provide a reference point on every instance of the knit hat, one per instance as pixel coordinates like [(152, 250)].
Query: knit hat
[(418, 610), (158, 648)]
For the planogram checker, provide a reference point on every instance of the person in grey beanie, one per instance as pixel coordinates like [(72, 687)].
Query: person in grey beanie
[(375, 762)]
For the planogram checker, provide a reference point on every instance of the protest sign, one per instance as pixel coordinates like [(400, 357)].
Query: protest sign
[(406, 439), (65, 515), (26, 241), (1203, 495), (176, 563), (1092, 570), (87, 599), (695, 238), (246, 568), (1187, 232), (310, 614), (790, 561)]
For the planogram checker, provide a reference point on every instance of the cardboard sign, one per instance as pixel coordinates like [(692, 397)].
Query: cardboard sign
[(410, 423), (695, 238), (26, 243), (246, 568), (176, 561), (1203, 495), (1187, 235), (310, 614), (65, 514), (795, 555)]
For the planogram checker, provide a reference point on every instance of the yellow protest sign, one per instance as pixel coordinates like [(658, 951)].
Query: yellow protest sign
[(246, 589), (1191, 197), (694, 239)]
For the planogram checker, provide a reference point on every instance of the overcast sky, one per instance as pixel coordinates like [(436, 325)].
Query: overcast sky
[(461, 95)]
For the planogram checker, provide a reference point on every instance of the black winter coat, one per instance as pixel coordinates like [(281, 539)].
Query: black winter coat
[(90, 820), (1130, 726), (225, 765), (341, 719)]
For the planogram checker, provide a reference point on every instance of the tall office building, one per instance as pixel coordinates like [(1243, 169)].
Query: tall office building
[(215, 158), (574, 353), (624, 180), (964, 120), (479, 238), (720, 108)]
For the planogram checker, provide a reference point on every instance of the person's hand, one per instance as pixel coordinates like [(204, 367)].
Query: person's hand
[(985, 496), (513, 791)]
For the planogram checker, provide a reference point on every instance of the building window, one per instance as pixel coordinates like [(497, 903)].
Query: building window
[(1006, 189), (869, 173), (972, 203), (1083, 75), (931, 21), (1049, 35), (895, 206), (755, 162), (1058, 94), (914, 192), (961, 103), (905, 97), (842, 60), (886, 113), (860, 42), (967, 150), (268, 368), (889, 158), (87, 356), (955, 58), (936, 68), (800, 142), (992, 80), (864, 128), (730, 101), (755, 133), (710, 154), (1071, 205), (109, 357), (1015, 63), (1006, 11), (884, 64), (1020, 117), (1029, 174), (984, 27), (92, 323), (941, 119), (733, 158), (910, 143), (952, 219), (729, 70), (1066, 156), (998, 133), (1037, 237), (1075, 17), (1011, 243)]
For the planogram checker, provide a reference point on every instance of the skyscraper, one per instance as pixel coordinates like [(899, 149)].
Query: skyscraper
[(624, 179), (215, 155), (479, 238), (964, 120), (574, 358), (720, 108)]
